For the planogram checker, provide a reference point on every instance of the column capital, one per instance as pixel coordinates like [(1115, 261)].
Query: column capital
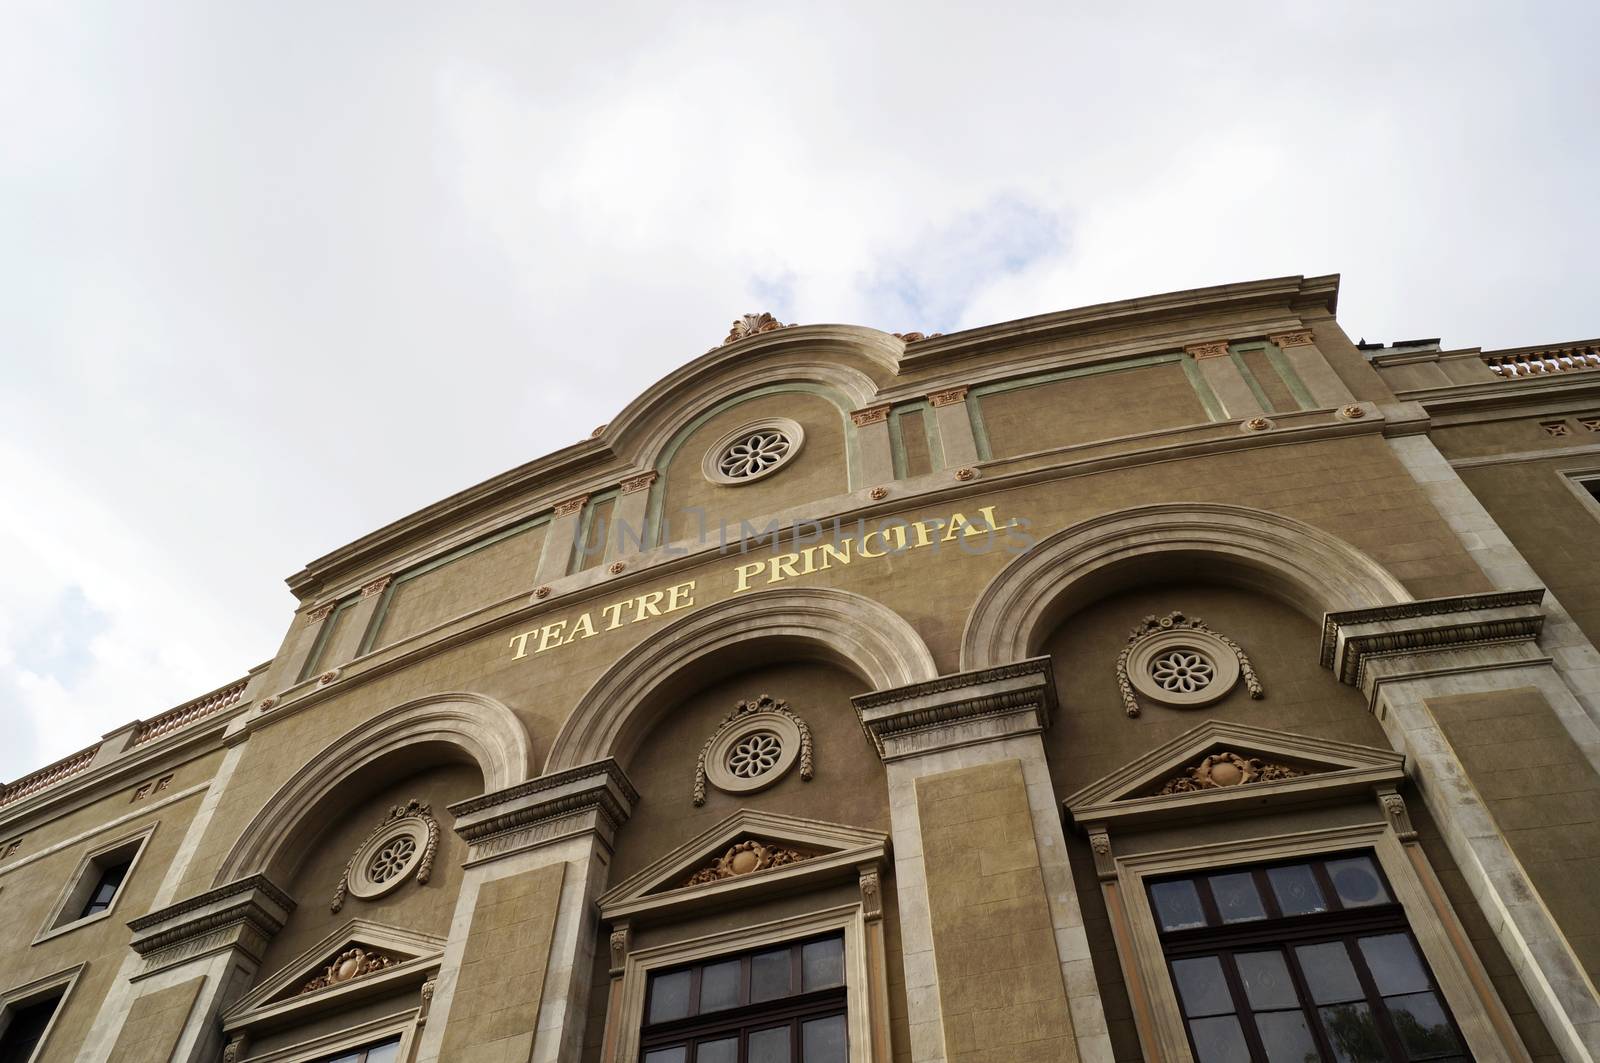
[(376, 586), (1209, 349), (641, 482), (962, 709), (589, 799), (1350, 639), (871, 415), (1297, 338), (570, 505), (948, 396), (243, 915)]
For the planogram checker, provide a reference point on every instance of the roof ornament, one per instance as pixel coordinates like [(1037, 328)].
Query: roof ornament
[(753, 325)]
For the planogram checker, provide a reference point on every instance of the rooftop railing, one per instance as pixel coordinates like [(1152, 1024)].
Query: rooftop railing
[(1543, 362), (156, 727)]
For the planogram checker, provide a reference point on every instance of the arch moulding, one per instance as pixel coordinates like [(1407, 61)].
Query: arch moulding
[(857, 633), (1287, 559), (468, 727)]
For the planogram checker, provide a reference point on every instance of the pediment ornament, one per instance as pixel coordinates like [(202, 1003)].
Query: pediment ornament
[(752, 748), (748, 325), (347, 967), (1176, 660), (745, 858), (1225, 768), (402, 846)]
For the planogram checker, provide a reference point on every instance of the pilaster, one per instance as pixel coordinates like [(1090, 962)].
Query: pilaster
[(555, 834), (556, 557), (964, 756), (1222, 375), (873, 446), (347, 641), (627, 534), (1299, 350), (954, 422), (1411, 660)]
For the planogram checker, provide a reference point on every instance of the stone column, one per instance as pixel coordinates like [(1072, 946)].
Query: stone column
[(195, 958), (556, 557), (1459, 680), (873, 446), (628, 534), (537, 859), (1225, 380), (974, 815), (950, 414), (1299, 349)]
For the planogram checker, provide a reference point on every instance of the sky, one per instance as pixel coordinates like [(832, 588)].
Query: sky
[(273, 275)]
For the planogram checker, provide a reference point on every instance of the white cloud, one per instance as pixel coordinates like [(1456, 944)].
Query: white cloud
[(273, 275)]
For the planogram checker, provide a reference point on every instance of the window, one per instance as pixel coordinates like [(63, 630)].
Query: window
[(96, 885), (1310, 960), (25, 1026), (385, 1051), (782, 1004)]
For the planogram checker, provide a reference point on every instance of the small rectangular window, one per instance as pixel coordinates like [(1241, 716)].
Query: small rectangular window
[(25, 1026), (97, 883)]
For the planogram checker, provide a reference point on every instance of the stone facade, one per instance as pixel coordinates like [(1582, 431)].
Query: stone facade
[(872, 696)]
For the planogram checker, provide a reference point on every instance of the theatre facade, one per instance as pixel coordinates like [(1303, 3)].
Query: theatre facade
[(1171, 679)]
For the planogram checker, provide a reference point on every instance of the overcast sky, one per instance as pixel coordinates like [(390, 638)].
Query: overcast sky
[(275, 274)]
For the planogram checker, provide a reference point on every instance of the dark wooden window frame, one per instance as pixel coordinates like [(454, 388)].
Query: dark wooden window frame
[(1283, 933), (746, 1017)]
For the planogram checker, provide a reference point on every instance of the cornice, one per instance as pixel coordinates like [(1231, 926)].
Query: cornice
[(243, 916), (1350, 638), (1288, 292), (592, 798), (937, 713)]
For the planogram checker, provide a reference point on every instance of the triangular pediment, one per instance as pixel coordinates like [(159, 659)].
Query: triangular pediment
[(1221, 763), (357, 950), (749, 849)]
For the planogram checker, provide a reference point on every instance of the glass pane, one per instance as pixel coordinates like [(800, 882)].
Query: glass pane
[(1218, 1040), (1286, 1037), (1201, 987), (824, 1041), (1236, 897), (387, 1052), (1352, 1033), (719, 986), (770, 1046), (769, 975), (1356, 882), (1177, 905), (822, 964), (678, 1054), (1394, 964), (669, 996), (1329, 975), (1266, 980), (725, 1050), (1422, 1025), (1296, 889)]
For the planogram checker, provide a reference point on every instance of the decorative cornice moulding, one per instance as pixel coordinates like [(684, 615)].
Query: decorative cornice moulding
[(959, 709), (1351, 638)]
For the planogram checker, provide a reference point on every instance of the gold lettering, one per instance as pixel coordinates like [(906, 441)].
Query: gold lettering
[(614, 611), (959, 522), (831, 553), (581, 630), (648, 603), (745, 572), (925, 530), (550, 635), (862, 550), (679, 596), (521, 643), (782, 567)]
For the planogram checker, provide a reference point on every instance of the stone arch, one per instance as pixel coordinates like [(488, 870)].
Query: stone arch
[(857, 633), (1305, 567), (458, 727)]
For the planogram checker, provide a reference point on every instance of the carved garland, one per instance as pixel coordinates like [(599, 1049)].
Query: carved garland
[(1221, 770), (744, 711), (1177, 621), (348, 966), (412, 809), (746, 858)]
